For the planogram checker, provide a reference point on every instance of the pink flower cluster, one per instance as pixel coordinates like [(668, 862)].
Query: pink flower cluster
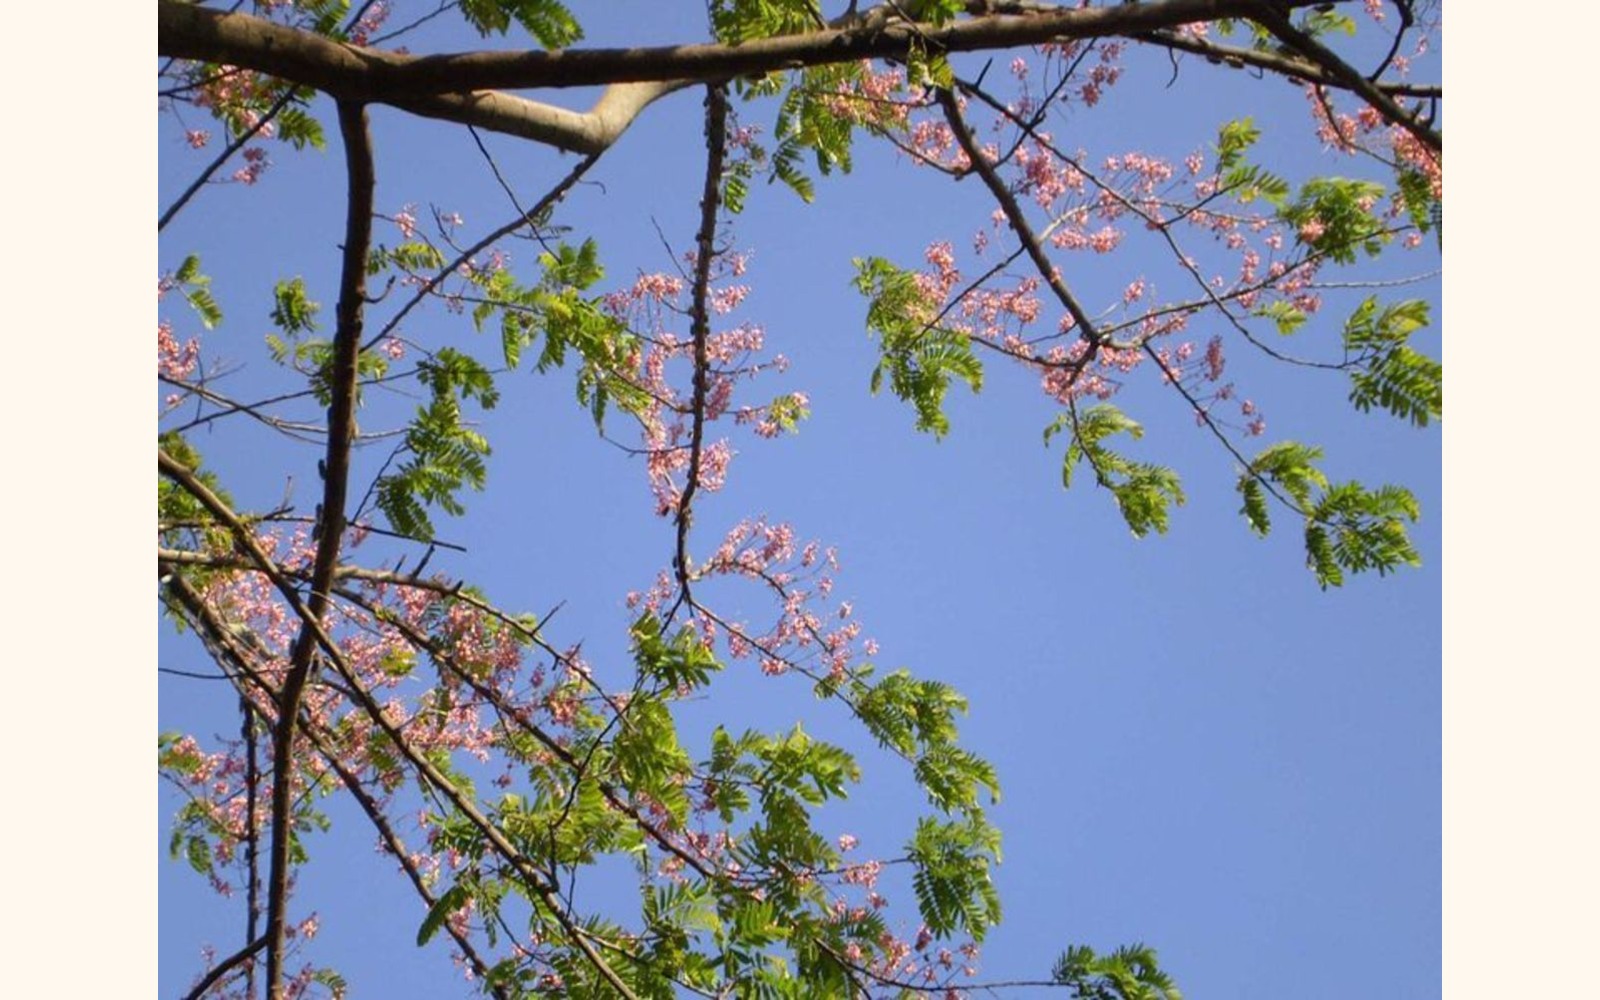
[(174, 360)]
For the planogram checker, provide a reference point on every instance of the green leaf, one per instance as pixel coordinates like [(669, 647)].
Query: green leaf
[(300, 129), (1324, 22), (1287, 317), (1344, 210), (1347, 527), (951, 862), (196, 290), (1255, 505), (198, 854), (453, 899), (1144, 493), (548, 21), (1235, 138), (1129, 973), (1387, 372), (292, 311), (920, 358)]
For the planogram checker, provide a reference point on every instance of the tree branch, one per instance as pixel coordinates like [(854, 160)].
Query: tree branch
[(700, 322), (329, 530), (222, 642), (185, 477), (224, 967), (1274, 18), (1019, 221), (352, 72), (1275, 62)]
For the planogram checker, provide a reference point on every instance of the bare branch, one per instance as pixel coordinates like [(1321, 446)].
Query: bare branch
[(224, 967)]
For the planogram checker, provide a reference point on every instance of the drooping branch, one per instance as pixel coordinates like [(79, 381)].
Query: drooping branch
[(1047, 271), (224, 967), (223, 157), (1276, 62), (392, 842)]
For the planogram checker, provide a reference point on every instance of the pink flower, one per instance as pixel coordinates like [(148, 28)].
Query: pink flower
[(406, 219), (847, 842)]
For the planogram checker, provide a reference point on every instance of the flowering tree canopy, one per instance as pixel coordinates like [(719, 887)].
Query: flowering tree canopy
[(490, 758)]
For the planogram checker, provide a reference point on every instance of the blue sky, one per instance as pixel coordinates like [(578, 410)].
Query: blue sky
[(1198, 748)]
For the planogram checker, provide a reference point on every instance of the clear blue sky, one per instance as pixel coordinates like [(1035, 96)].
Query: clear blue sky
[(1198, 748)]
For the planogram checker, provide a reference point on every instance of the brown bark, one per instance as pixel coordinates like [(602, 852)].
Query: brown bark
[(350, 71)]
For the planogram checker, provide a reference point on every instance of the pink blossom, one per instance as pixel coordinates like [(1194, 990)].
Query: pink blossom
[(406, 219)]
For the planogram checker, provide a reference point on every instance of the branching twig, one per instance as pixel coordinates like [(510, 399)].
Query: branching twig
[(528, 218)]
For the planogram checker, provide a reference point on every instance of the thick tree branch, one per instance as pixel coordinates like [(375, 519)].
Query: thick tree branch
[(589, 133), (448, 85), (700, 320), (331, 522), (1275, 18)]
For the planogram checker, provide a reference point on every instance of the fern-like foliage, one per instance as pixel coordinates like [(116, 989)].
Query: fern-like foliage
[(919, 357)]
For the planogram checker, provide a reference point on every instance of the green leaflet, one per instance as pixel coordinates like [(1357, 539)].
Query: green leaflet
[(293, 312), (1144, 493), (1245, 182), (548, 21), (444, 455), (1387, 372), (453, 899), (676, 666), (1336, 217), (1347, 527), (951, 879), (196, 290), (920, 358), (1129, 973)]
